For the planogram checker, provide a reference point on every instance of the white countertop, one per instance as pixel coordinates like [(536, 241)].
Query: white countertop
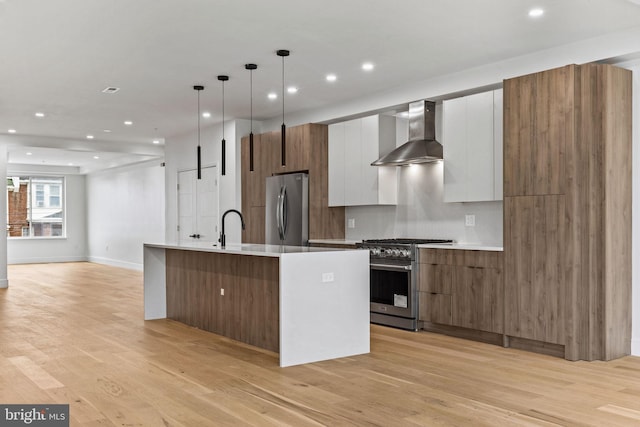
[(463, 246), (335, 241), (242, 248)]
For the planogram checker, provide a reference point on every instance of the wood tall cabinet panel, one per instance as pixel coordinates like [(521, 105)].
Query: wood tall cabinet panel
[(538, 124), (253, 183), (535, 259), (249, 309), (567, 209), (306, 151)]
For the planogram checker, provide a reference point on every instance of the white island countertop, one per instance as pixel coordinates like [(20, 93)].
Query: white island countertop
[(462, 246), (254, 249), (337, 242)]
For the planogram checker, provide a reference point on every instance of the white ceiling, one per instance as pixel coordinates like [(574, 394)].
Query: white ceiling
[(57, 56)]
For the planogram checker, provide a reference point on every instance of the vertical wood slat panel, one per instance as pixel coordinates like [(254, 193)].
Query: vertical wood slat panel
[(249, 309), (618, 246)]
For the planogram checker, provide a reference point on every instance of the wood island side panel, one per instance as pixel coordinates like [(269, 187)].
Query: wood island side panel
[(249, 309)]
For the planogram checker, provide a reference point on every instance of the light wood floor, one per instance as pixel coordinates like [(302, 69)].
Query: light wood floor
[(74, 333)]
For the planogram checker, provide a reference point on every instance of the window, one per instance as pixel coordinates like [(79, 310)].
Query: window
[(35, 206)]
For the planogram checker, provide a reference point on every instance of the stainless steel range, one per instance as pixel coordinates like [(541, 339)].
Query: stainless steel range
[(393, 280)]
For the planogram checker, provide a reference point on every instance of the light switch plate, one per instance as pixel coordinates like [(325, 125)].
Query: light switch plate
[(470, 220), (351, 223)]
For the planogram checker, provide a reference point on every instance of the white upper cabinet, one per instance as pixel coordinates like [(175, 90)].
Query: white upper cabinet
[(353, 145), (472, 141)]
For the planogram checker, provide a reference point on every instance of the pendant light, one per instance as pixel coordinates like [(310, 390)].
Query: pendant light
[(251, 67), (283, 140), (224, 143), (198, 88)]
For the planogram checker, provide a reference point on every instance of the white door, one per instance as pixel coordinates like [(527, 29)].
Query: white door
[(198, 206)]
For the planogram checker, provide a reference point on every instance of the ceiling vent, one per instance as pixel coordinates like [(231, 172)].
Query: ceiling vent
[(110, 89)]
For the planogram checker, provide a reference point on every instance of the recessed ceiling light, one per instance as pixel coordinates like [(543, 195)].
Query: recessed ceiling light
[(292, 89), (106, 130), (29, 154), (110, 89), (536, 13), (155, 141), (272, 96), (96, 157), (70, 164), (11, 131), (206, 114), (331, 77), (128, 122), (89, 136), (367, 66), (39, 114)]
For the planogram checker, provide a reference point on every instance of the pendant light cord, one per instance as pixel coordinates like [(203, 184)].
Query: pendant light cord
[(251, 94), (282, 89), (223, 110), (198, 117)]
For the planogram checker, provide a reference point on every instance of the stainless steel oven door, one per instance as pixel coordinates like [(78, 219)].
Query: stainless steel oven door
[(392, 290)]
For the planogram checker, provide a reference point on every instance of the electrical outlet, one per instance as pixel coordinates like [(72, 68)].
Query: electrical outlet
[(222, 291), (327, 277), (351, 223), (470, 220)]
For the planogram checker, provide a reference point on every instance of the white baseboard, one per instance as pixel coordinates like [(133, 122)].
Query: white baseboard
[(116, 263), (44, 260), (635, 346)]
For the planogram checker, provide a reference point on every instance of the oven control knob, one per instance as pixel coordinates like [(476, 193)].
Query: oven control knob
[(375, 251), (406, 253), (395, 252)]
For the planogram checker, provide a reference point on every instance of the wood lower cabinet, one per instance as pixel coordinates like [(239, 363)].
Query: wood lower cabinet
[(462, 288), (435, 308), (306, 151), (478, 297)]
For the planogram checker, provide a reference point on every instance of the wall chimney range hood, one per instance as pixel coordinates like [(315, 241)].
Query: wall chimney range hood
[(422, 146)]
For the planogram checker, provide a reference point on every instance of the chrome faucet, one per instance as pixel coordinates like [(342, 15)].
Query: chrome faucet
[(222, 238)]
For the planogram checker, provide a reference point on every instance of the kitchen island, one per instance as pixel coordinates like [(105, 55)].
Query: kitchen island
[(307, 304)]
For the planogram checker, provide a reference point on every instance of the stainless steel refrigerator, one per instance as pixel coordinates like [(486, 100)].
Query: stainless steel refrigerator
[(287, 210)]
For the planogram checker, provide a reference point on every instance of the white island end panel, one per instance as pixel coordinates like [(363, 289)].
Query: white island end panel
[(155, 283), (324, 306)]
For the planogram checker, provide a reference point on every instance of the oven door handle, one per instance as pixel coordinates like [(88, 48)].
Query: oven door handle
[(391, 267)]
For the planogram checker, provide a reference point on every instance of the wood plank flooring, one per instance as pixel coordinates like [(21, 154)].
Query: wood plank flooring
[(74, 333)]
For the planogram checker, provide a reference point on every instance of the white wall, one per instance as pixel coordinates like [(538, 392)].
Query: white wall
[(125, 208), (421, 212), (180, 155), (71, 248)]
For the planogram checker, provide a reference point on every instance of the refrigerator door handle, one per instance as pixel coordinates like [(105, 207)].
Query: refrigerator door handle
[(279, 207), (285, 211)]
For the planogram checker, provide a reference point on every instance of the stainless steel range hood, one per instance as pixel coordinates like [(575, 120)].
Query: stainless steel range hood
[(422, 146)]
